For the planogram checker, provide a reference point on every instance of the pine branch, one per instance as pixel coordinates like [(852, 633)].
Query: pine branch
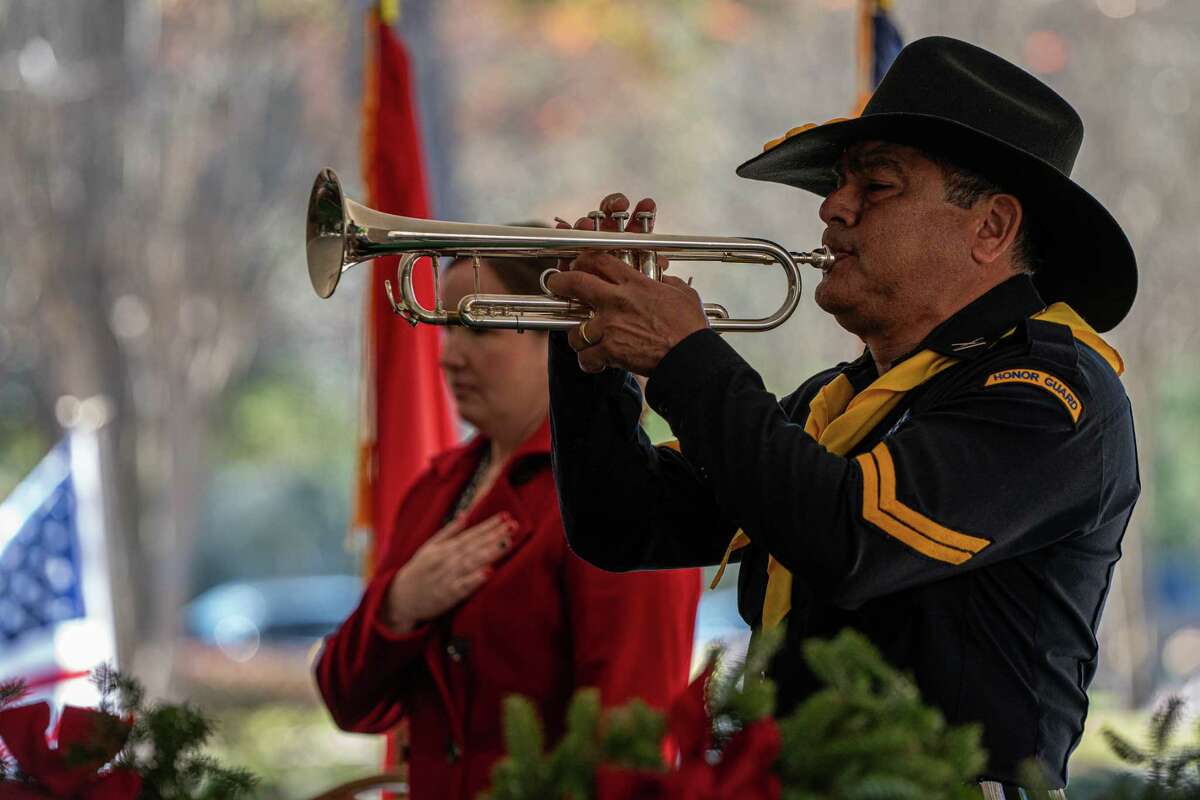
[(632, 736), (1164, 724), (11, 692), (1168, 774), (163, 745), (868, 730), (1125, 750)]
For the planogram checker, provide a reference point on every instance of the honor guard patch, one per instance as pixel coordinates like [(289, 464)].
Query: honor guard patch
[(1046, 381)]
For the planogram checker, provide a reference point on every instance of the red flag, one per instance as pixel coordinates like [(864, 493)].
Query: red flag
[(407, 415)]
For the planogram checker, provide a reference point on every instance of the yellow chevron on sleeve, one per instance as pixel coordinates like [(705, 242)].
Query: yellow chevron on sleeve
[(883, 510)]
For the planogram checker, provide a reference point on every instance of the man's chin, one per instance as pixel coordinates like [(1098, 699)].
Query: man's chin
[(845, 310), (831, 299)]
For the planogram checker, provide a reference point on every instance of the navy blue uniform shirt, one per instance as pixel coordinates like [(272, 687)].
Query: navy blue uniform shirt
[(979, 557)]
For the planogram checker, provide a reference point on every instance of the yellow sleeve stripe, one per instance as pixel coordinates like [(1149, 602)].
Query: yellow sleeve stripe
[(883, 510)]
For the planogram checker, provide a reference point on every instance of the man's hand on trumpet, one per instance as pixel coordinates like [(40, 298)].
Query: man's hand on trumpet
[(637, 319)]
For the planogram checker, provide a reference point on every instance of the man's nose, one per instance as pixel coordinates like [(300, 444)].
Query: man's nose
[(841, 205)]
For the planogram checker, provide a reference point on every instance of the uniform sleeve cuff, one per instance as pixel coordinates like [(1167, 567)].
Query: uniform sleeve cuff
[(565, 364), (685, 370)]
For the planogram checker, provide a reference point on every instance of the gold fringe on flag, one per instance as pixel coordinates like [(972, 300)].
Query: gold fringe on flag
[(389, 11), (866, 53), (360, 536)]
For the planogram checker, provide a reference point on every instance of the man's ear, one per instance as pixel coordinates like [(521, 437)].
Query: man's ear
[(998, 222)]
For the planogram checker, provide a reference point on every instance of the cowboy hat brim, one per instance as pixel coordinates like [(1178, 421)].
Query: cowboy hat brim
[(1087, 259)]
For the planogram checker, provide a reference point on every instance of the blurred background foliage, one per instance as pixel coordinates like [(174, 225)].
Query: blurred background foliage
[(157, 156)]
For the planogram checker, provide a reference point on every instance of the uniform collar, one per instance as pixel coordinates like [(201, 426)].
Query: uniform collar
[(968, 332), (538, 444)]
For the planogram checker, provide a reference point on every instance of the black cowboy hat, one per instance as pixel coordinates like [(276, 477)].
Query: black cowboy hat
[(964, 104)]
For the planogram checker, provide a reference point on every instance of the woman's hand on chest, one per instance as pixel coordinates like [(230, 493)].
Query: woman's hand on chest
[(445, 570)]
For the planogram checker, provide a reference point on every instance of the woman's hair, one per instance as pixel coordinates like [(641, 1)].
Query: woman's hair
[(519, 275)]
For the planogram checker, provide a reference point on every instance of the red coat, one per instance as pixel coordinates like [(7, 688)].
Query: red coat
[(544, 624)]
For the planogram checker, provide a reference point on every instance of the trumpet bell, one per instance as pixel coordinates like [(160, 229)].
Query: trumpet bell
[(325, 233)]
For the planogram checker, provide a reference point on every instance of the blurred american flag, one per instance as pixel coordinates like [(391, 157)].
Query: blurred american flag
[(55, 599)]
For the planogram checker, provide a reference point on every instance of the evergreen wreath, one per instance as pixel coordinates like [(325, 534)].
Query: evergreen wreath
[(865, 735), (126, 748)]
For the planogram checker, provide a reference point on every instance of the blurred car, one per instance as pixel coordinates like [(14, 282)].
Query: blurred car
[(241, 616)]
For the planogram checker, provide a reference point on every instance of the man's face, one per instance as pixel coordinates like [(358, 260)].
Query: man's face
[(902, 249)]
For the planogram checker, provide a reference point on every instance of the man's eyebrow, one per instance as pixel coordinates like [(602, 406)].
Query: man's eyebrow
[(872, 159)]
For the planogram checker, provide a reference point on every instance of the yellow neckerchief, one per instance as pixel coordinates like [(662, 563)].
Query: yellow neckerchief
[(838, 419)]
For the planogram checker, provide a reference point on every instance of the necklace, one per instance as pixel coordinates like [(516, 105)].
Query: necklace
[(468, 492)]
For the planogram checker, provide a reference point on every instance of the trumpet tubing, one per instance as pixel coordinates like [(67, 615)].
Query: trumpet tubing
[(342, 233)]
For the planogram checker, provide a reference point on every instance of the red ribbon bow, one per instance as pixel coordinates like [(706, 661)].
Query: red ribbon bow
[(57, 771), (744, 770)]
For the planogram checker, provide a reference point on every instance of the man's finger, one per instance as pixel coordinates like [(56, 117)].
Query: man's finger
[(583, 286), (614, 202), (562, 263), (593, 360), (611, 204), (578, 341), (605, 266), (646, 204)]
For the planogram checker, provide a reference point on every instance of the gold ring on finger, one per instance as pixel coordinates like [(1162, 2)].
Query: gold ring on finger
[(583, 332)]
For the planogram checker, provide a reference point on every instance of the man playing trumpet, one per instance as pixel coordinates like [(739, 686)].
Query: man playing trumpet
[(959, 492)]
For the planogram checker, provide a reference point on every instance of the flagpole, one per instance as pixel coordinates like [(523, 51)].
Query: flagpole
[(360, 534), (90, 522)]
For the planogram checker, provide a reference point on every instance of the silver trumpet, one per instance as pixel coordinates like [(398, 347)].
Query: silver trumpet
[(342, 233)]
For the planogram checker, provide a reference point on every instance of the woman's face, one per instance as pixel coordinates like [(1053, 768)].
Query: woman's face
[(498, 378)]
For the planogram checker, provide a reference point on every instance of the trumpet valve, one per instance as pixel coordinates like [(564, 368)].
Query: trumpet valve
[(646, 218), (648, 263), (596, 217), (622, 220)]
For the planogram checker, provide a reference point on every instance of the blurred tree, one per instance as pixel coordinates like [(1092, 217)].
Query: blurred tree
[(157, 156)]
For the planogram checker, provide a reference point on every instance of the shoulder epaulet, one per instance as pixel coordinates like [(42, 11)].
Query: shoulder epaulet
[(1053, 366), (1052, 342)]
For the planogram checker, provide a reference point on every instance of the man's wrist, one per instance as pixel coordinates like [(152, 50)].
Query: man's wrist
[(677, 339), (686, 368)]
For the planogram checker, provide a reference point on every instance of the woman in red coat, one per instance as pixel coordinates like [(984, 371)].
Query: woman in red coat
[(477, 595)]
